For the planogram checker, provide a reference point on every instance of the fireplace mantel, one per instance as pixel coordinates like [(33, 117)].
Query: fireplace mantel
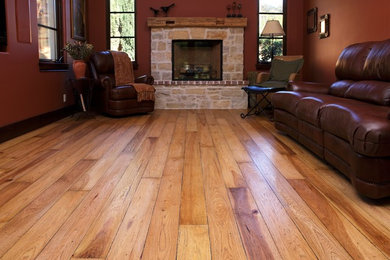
[(176, 22)]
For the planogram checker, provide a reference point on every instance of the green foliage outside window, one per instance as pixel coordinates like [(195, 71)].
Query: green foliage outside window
[(265, 49), (122, 26)]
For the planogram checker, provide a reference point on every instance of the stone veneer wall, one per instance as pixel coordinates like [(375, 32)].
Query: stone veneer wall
[(233, 49), (225, 94)]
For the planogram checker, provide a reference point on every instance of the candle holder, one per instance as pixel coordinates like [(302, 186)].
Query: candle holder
[(234, 7), (239, 7), (229, 7)]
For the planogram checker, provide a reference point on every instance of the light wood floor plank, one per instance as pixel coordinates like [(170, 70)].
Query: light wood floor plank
[(19, 224), (193, 205), (231, 173), (11, 191), (162, 237), (356, 244), (194, 243), (97, 241), (66, 240), (224, 236), (160, 153), (256, 237), (130, 239), (290, 242), (33, 241), (114, 149), (318, 237)]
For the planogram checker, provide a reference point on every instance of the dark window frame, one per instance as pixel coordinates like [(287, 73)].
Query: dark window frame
[(58, 64), (267, 65), (3, 27), (108, 30)]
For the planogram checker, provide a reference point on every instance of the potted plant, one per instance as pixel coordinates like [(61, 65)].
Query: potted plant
[(80, 52)]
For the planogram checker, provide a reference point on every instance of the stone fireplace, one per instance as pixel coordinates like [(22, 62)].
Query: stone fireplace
[(223, 92)]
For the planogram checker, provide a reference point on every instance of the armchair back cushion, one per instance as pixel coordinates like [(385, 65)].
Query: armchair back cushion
[(281, 69)]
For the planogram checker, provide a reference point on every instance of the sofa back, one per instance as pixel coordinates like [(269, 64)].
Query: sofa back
[(363, 73)]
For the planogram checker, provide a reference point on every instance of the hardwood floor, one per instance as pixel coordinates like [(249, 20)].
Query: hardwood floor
[(179, 184)]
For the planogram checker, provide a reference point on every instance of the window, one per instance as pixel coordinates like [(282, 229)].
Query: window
[(49, 30), (270, 10), (3, 27), (122, 26)]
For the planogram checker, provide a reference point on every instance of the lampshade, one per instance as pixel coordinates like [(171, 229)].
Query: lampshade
[(272, 28)]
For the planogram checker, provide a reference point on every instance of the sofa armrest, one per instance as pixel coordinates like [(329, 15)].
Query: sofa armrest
[(145, 79), (308, 87)]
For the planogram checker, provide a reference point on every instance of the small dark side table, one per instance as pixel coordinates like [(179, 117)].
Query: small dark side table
[(264, 92), (83, 91)]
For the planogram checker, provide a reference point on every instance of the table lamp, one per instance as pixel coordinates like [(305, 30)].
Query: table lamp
[(272, 28)]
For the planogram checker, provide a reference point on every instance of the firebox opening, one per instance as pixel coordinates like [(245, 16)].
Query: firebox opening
[(197, 59)]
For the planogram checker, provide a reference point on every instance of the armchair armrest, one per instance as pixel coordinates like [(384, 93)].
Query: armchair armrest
[(145, 79), (308, 87), (294, 77), (106, 82), (262, 76)]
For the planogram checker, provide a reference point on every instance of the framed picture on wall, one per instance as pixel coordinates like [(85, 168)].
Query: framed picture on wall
[(312, 20), (324, 26), (78, 19)]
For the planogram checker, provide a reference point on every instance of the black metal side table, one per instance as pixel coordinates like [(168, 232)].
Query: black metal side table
[(264, 92)]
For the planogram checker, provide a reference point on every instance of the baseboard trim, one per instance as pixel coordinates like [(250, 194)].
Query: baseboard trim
[(19, 128)]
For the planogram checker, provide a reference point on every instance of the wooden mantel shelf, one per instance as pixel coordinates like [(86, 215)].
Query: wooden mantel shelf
[(196, 22)]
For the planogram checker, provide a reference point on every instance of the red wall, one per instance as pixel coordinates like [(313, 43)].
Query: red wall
[(200, 8), (351, 21), (25, 91)]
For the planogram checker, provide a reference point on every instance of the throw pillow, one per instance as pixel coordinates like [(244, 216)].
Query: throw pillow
[(281, 70)]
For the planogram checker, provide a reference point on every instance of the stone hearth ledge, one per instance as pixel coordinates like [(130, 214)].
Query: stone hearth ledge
[(195, 95)]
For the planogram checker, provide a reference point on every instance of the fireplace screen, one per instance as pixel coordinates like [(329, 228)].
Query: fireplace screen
[(197, 59)]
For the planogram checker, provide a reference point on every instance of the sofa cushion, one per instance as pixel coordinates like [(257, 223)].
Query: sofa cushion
[(287, 100), (308, 109), (340, 87), (123, 92), (363, 125), (377, 92), (351, 61), (377, 64)]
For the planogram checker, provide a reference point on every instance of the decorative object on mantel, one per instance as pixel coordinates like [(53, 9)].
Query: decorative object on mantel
[(155, 11), (272, 28), (229, 7), (324, 26), (165, 9), (233, 7), (312, 20), (239, 7), (80, 52)]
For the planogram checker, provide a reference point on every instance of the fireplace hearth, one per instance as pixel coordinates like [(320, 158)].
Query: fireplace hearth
[(197, 60)]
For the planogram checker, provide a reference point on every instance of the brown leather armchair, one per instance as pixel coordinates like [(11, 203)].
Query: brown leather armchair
[(111, 99)]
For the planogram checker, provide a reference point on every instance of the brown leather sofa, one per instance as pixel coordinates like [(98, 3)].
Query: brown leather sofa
[(346, 123), (115, 100)]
